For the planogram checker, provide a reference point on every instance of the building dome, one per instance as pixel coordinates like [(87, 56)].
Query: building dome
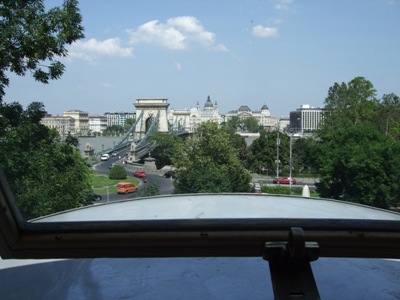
[(244, 108), (208, 103), (264, 107)]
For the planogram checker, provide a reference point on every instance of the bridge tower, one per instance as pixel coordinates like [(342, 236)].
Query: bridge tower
[(151, 108)]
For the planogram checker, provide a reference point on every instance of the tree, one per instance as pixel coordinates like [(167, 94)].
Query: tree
[(232, 124), (128, 123), (356, 162), (46, 174), (389, 115), (264, 151), (166, 146), (303, 156), (31, 37), (353, 102), (113, 130), (207, 163), (251, 124), (147, 190), (117, 172)]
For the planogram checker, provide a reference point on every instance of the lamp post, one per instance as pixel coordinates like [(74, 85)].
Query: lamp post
[(290, 160), (278, 141)]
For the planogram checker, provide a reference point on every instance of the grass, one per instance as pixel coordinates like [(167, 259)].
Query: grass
[(101, 182)]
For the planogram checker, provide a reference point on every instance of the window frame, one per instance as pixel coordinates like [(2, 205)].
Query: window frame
[(22, 239)]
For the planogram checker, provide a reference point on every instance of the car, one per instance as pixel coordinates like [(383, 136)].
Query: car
[(169, 174), (105, 157), (140, 173), (112, 165), (115, 153), (284, 180), (126, 187), (91, 198)]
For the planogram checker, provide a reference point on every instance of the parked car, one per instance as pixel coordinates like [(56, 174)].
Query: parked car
[(140, 173), (126, 187), (169, 174), (284, 180), (105, 157), (91, 198)]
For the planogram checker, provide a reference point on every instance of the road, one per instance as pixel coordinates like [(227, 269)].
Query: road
[(264, 180), (165, 184)]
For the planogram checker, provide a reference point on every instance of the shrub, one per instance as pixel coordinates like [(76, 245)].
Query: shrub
[(281, 190), (117, 172)]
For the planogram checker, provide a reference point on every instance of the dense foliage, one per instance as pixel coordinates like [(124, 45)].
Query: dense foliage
[(147, 190), (266, 149), (113, 130), (357, 150), (166, 147), (46, 174), (31, 38), (117, 172), (207, 163)]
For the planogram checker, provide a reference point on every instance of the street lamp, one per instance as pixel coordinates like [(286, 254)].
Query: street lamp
[(290, 160), (278, 141)]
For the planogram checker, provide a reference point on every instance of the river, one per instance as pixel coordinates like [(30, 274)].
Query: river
[(99, 142), (110, 141)]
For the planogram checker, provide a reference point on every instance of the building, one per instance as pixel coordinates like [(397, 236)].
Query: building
[(306, 119), (263, 116), (189, 120), (81, 122), (97, 123), (63, 125), (119, 118)]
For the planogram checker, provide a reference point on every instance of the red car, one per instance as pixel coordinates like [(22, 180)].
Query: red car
[(284, 180), (140, 174)]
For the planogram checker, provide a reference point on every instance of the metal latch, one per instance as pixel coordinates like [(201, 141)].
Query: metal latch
[(289, 264)]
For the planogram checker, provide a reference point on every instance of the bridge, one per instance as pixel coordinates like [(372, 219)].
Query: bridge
[(151, 116)]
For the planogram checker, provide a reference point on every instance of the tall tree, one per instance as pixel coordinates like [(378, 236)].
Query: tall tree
[(389, 115), (251, 124), (45, 174), (264, 152), (355, 160), (207, 163), (166, 146), (232, 124), (353, 102), (32, 39)]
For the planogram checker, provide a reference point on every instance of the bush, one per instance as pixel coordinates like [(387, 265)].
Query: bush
[(281, 190), (117, 172), (148, 190)]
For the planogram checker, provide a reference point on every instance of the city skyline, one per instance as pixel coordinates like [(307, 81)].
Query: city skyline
[(282, 53)]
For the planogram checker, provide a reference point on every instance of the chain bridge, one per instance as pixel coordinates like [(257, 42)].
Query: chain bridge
[(151, 116)]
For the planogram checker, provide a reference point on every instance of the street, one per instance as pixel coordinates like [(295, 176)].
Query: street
[(164, 184)]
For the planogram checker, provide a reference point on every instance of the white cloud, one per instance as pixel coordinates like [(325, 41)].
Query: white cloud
[(176, 34), (91, 49), (283, 4), (264, 32)]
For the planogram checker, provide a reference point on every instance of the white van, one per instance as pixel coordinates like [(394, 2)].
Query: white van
[(105, 157)]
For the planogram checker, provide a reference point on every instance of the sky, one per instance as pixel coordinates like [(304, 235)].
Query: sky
[(282, 53)]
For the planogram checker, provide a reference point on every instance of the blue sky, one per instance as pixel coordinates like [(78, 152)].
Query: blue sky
[(282, 53)]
